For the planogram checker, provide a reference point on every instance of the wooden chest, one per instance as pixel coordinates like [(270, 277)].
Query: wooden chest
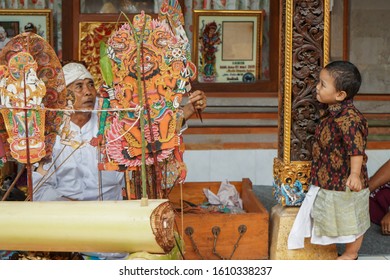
[(220, 235)]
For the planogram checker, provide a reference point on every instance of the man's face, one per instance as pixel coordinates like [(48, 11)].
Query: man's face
[(85, 94)]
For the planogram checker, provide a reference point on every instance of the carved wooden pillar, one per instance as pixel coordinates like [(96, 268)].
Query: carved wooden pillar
[(305, 50)]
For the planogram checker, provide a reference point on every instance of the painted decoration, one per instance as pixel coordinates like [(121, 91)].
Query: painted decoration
[(32, 81), (21, 93), (147, 70)]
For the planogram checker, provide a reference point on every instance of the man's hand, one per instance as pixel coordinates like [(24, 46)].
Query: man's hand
[(95, 141), (196, 101)]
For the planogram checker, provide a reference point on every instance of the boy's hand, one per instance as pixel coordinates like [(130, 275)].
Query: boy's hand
[(354, 183)]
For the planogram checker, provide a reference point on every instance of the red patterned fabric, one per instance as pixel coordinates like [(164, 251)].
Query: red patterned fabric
[(379, 203), (342, 133)]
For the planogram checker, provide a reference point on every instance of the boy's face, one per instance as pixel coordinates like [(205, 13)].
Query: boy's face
[(326, 91)]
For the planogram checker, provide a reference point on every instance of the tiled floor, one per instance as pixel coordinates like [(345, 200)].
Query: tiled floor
[(371, 257)]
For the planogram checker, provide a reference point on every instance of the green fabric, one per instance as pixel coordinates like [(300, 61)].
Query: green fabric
[(338, 213)]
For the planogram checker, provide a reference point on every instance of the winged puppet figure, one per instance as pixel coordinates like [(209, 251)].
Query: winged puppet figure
[(147, 69)]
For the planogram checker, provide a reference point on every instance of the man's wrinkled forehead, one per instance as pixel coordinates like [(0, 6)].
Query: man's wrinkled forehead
[(83, 81)]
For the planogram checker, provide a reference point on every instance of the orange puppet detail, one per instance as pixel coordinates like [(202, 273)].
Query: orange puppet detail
[(21, 89), (31, 78), (154, 75)]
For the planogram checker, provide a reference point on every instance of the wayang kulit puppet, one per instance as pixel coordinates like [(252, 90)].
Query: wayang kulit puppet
[(35, 110), (147, 70), (31, 79)]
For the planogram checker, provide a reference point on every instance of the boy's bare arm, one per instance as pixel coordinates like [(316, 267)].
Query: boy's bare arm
[(353, 181)]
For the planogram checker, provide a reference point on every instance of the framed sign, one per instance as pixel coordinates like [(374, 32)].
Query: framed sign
[(227, 45), (14, 22)]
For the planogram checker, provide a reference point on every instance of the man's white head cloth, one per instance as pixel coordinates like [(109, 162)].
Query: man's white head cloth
[(75, 71)]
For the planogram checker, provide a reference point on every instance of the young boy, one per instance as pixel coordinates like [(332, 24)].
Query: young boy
[(335, 209)]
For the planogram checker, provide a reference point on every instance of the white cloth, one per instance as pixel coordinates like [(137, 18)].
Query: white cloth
[(227, 195), (75, 71), (303, 226), (303, 222), (78, 177)]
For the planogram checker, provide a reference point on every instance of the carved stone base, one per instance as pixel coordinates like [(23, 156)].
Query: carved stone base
[(282, 220)]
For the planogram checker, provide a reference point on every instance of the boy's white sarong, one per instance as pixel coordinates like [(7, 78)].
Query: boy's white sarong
[(303, 226)]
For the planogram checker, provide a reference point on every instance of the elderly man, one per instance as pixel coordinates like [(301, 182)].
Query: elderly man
[(74, 175)]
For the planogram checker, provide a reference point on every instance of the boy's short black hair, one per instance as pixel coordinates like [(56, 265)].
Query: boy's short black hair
[(346, 77)]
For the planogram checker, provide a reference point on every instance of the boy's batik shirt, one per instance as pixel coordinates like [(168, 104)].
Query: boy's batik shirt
[(342, 133)]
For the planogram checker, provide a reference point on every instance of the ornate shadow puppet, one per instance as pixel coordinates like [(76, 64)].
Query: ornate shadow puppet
[(147, 69), (31, 83)]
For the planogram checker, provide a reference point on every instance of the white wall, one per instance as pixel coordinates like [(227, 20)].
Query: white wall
[(257, 165)]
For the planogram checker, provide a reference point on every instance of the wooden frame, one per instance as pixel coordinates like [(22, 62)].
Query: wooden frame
[(267, 87), (106, 7), (72, 21), (227, 45), (71, 18), (42, 19)]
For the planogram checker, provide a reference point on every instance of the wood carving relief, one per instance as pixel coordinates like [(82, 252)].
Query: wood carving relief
[(305, 34), (307, 56)]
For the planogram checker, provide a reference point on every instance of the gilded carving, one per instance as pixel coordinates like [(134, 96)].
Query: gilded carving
[(306, 46), (291, 181), (91, 34)]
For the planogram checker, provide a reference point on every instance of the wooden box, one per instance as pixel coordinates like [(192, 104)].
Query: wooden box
[(220, 235)]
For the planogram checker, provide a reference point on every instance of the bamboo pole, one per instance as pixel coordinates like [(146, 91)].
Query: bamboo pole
[(28, 163), (82, 226)]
